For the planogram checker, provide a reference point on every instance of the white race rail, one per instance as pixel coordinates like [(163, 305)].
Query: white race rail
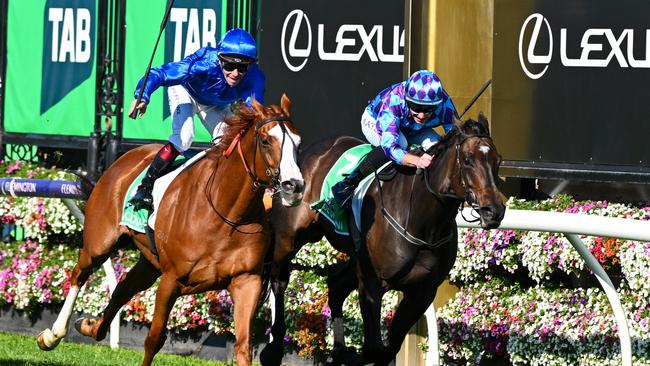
[(570, 225)]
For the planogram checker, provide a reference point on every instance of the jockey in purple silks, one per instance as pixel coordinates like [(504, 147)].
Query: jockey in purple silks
[(401, 115), (204, 83)]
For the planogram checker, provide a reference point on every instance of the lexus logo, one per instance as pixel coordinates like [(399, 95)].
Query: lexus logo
[(295, 21), (531, 57), (352, 42)]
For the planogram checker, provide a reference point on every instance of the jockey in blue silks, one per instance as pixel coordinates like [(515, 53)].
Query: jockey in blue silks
[(204, 83), (401, 115)]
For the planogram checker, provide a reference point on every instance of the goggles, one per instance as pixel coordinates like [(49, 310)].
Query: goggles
[(421, 108), (231, 66)]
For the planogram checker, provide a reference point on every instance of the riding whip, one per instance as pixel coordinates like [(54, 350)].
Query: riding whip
[(471, 103), (146, 74)]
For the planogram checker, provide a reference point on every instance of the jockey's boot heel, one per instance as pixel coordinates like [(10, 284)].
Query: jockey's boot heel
[(343, 190)]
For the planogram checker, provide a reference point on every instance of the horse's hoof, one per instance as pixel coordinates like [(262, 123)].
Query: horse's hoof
[(47, 341), (271, 354), (85, 326), (345, 356)]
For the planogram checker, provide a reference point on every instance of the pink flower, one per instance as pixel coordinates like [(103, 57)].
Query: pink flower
[(13, 168)]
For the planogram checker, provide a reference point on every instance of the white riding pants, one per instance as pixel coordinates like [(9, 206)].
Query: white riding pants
[(183, 108)]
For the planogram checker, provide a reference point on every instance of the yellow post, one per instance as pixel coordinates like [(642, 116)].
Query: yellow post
[(454, 39)]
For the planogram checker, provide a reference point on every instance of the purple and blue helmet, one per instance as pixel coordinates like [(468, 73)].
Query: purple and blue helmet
[(238, 44), (424, 87)]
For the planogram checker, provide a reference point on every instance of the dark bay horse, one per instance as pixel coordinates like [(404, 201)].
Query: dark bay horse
[(409, 236), (211, 230)]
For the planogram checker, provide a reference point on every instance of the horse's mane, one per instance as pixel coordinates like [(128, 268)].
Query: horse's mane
[(459, 131), (242, 118)]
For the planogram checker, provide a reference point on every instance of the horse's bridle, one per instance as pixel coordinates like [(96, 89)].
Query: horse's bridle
[(468, 197), (272, 173)]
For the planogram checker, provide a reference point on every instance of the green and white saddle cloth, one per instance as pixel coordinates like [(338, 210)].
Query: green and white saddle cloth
[(137, 219), (327, 205)]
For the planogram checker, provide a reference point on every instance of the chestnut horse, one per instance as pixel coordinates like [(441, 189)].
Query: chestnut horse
[(409, 238), (211, 230)]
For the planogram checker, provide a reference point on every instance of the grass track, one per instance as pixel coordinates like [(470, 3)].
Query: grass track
[(18, 350)]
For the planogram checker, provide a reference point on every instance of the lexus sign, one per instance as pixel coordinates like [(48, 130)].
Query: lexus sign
[(330, 58), (570, 85), (593, 41)]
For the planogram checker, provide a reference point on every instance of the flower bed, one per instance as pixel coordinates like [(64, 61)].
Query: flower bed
[(520, 300), (519, 297)]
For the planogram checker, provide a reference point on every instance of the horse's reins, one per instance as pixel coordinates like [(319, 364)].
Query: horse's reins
[(273, 174), (403, 230), (466, 198)]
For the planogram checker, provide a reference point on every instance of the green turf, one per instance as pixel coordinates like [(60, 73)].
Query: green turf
[(22, 351)]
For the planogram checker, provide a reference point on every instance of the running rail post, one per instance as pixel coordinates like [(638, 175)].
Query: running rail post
[(612, 296), (433, 353)]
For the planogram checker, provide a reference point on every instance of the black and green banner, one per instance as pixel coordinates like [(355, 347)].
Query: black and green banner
[(50, 74)]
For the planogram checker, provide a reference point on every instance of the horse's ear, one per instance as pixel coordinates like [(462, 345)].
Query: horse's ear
[(285, 103), (483, 121), (259, 108)]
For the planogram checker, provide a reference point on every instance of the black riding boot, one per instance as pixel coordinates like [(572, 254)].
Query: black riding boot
[(343, 190), (142, 198)]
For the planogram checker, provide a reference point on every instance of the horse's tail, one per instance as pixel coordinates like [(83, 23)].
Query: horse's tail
[(86, 183)]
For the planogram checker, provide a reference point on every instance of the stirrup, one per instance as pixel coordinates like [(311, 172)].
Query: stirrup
[(142, 200), (342, 197)]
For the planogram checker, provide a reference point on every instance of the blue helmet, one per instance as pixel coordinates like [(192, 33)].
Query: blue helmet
[(424, 87), (239, 44)]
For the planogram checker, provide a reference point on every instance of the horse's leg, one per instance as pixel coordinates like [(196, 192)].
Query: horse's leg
[(415, 302), (370, 294), (166, 296), (139, 278), (95, 251), (245, 292), (272, 353), (339, 286)]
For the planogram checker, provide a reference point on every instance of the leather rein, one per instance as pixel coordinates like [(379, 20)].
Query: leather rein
[(272, 174), (468, 197)]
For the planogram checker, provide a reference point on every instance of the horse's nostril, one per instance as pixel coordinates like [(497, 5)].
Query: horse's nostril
[(299, 185), (288, 186)]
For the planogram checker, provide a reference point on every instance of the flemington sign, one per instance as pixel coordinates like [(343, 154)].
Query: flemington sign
[(570, 88), (330, 58), (40, 188)]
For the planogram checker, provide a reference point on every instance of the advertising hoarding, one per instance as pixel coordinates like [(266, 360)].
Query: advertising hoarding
[(570, 87), (192, 24), (50, 67), (330, 58)]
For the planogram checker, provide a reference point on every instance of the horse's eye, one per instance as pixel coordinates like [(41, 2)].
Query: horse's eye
[(467, 160), (266, 143)]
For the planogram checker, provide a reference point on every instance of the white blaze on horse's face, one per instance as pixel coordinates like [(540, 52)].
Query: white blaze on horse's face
[(291, 181), (484, 149)]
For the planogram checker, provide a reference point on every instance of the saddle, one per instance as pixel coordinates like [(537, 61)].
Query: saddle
[(347, 162)]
